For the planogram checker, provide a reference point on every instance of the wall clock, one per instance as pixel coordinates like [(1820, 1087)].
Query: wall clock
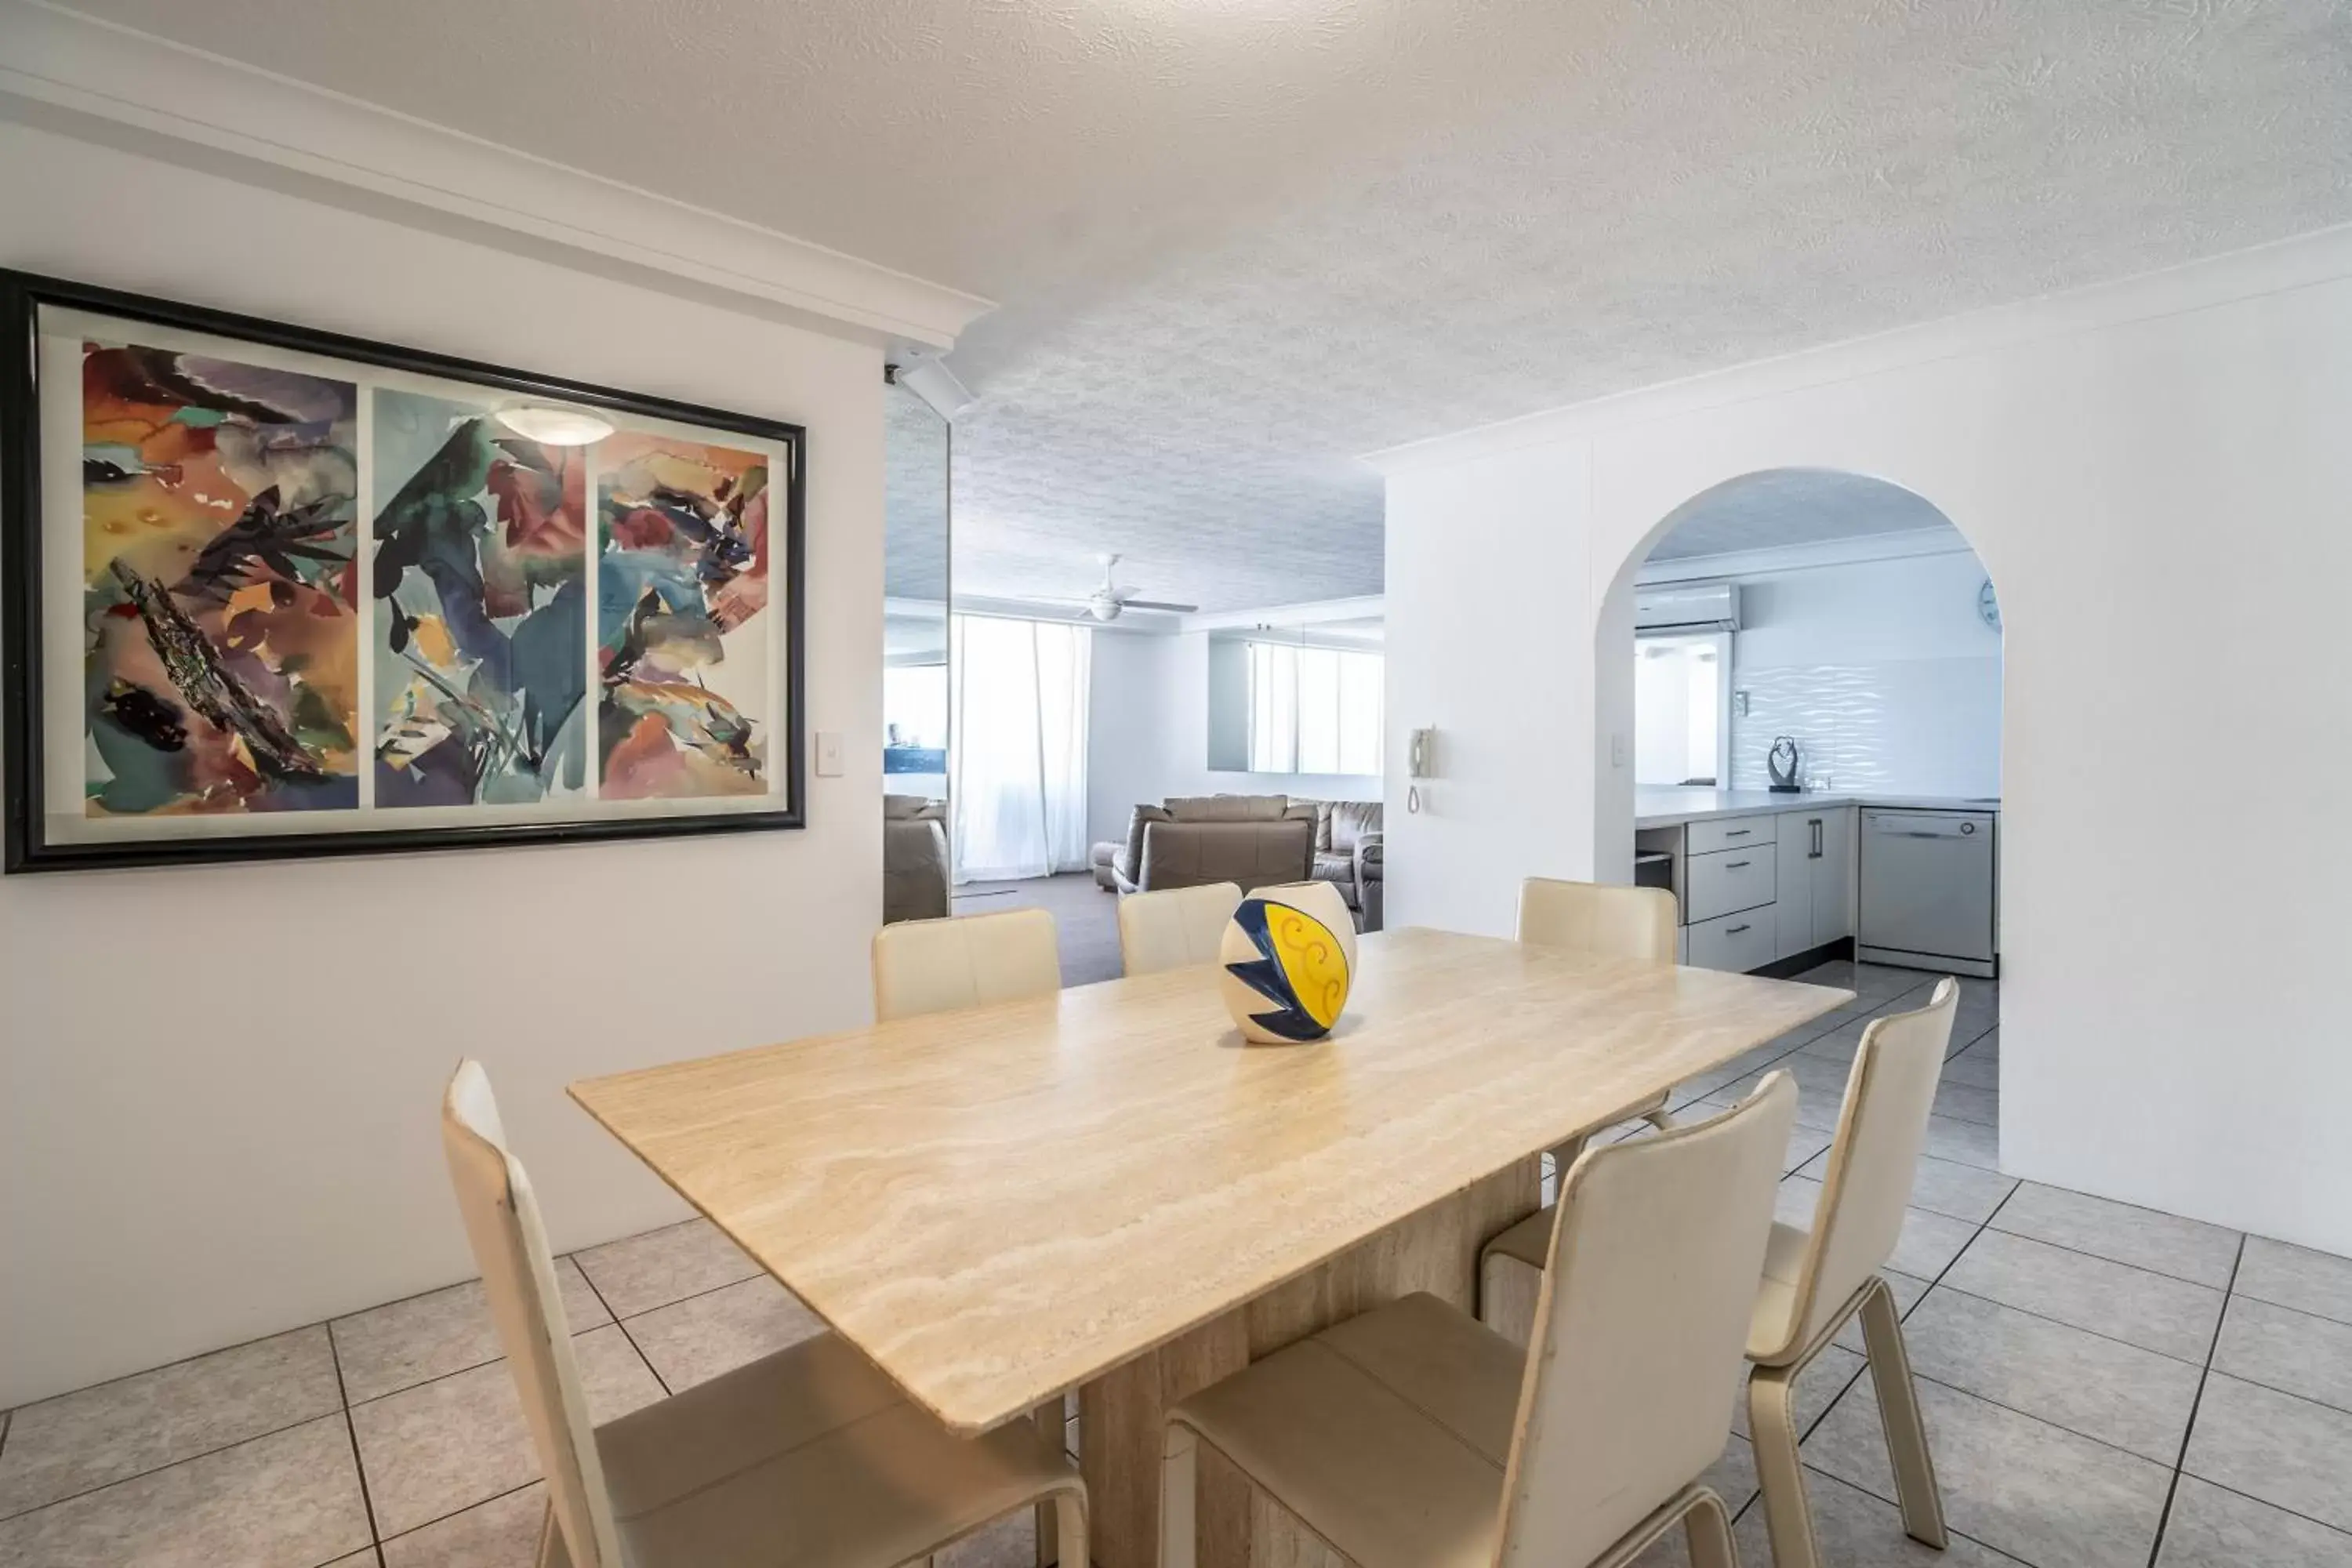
[(1988, 605)]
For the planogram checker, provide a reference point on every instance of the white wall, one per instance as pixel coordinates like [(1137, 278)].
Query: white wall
[(219, 1085), (1148, 734), (1881, 670), (2157, 477)]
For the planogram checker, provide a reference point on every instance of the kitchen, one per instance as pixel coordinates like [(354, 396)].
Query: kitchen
[(1818, 729)]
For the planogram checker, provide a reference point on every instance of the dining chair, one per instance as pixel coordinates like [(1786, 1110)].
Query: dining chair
[(1175, 927), (1817, 1279), (809, 1457), (1412, 1436), (963, 960)]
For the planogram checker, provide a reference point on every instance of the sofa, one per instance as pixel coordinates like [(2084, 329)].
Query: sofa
[(1252, 839), (915, 878), (1348, 854)]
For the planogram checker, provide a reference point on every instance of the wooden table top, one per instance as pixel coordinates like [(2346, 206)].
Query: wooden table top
[(999, 1204)]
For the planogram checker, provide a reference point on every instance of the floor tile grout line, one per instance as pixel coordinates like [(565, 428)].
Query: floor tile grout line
[(173, 1464), (2238, 1293), (445, 1518), (167, 1366), (2005, 1556), (621, 1324), (2188, 1432), (2265, 1502), (351, 1431), (2161, 1274), (2060, 1322)]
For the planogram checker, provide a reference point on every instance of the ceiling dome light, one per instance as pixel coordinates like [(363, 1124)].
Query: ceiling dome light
[(554, 425)]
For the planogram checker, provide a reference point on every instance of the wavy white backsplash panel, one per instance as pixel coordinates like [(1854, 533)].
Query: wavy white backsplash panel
[(1926, 726)]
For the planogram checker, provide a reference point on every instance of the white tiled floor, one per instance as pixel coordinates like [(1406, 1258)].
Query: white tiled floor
[(2103, 1385)]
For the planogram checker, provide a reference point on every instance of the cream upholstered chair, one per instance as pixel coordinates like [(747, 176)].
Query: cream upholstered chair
[(809, 1456), (1592, 917), (1412, 1436), (1815, 1279), (966, 961), (1176, 926)]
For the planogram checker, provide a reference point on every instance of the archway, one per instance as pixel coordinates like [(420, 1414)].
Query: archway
[(1846, 618)]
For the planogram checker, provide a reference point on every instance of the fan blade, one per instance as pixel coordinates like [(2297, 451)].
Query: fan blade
[(1159, 605)]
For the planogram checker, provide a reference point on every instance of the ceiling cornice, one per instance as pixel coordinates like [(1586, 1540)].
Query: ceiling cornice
[(1773, 559), (63, 70)]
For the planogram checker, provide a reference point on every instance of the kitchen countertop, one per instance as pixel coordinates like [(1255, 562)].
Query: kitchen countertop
[(1666, 806)]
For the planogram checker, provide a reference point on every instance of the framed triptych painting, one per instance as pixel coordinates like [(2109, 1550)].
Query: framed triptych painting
[(271, 592)]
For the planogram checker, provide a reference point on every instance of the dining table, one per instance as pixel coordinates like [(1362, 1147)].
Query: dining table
[(1106, 1191)]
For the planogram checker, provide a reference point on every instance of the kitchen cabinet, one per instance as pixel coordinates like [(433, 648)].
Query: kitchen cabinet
[(1736, 943), (1814, 898)]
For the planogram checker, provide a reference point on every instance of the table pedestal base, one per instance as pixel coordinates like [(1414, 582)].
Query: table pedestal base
[(1119, 1414)]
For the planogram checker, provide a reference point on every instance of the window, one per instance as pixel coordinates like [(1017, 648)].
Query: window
[(1681, 703), (1314, 709)]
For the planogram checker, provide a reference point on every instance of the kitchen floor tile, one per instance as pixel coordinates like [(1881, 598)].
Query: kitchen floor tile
[(1963, 1103), (2015, 1483), (2214, 1528), (2284, 1276), (2294, 1453), (1964, 1142), (500, 1533), (1853, 1530), (2119, 1393), (1942, 1186), (389, 1348), (447, 1445), (1840, 1043), (2284, 1349), (2154, 1311), (1818, 1387), (290, 1499), (1010, 1542), (694, 1341), (2160, 1243), (641, 1272), (79, 1441), (1974, 1067)]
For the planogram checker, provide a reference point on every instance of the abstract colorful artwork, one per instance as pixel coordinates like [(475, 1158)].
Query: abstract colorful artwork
[(221, 646), (270, 593), (481, 583), (682, 644)]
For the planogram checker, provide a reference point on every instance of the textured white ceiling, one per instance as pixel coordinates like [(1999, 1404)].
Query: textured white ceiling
[(1792, 505), (1238, 240)]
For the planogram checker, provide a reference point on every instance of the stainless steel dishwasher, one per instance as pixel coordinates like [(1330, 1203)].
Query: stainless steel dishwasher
[(1927, 890)]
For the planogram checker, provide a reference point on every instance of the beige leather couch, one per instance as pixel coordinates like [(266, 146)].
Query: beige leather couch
[(914, 859), (1190, 840), (1349, 855)]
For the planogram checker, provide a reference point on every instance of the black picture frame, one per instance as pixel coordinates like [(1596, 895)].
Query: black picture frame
[(27, 848)]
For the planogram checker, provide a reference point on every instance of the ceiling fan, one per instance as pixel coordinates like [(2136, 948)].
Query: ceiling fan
[(1106, 602)]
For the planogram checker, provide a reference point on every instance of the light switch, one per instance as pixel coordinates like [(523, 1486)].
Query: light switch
[(828, 753), (1617, 748)]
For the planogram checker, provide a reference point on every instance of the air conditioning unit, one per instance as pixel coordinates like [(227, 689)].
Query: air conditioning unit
[(1687, 607)]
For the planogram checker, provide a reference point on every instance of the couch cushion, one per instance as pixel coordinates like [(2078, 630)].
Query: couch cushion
[(1228, 807), (1349, 820), (1130, 863)]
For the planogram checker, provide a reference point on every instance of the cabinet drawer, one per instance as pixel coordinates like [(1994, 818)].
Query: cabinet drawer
[(1737, 942), (1728, 833), (1730, 880)]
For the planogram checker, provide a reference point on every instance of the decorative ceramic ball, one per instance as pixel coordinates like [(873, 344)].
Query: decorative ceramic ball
[(1288, 956)]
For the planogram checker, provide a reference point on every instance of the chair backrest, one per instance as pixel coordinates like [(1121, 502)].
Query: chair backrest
[(967, 961), (1638, 1332), (1593, 917), (1318, 899), (1175, 928), (510, 1248), (1882, 1127)]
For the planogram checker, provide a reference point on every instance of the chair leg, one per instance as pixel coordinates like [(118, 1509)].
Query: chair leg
[(1562, 1158), (1898, 1413), (1048, 1417), (1706, 1530), (1070, 1524), (1779, 1473), (1179, 1489)]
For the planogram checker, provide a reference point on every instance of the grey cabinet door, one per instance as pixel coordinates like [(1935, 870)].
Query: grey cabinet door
[(1832, 876)]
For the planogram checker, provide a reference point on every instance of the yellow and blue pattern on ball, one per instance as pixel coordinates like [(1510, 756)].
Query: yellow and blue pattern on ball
[(1291, 959)]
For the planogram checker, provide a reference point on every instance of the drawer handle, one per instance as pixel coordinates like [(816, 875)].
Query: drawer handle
[(1738, 864), (1737, 833), (1734, 931)]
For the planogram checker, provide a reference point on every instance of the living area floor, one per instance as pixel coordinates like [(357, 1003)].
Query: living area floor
[(1086, 918), (2104, 1386)]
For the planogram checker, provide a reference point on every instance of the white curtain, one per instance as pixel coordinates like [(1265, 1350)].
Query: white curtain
[(1018, 763)]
